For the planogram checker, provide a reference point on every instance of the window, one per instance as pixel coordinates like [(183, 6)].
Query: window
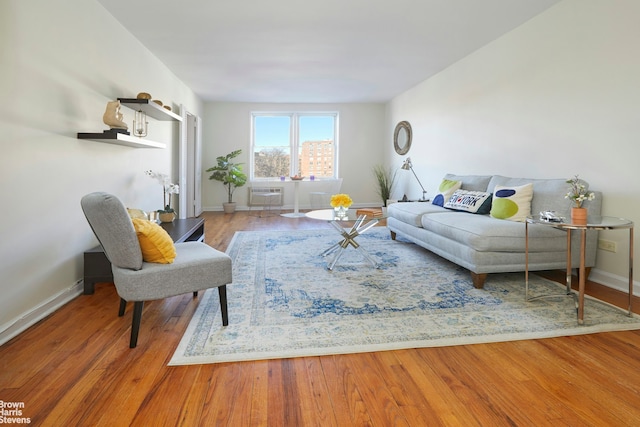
[(288, 144)]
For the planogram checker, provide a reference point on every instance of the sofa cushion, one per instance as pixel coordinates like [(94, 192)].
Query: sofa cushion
[(445, 191), (548, 194), (155, 243), (471, 182), (476, 202), (412, 212), (484, 233), (512, 202)]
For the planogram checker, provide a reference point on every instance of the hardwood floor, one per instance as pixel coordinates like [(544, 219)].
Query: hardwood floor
[(75, 369)]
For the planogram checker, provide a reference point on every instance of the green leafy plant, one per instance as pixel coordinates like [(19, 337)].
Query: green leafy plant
[(386, 179), (229, 173)]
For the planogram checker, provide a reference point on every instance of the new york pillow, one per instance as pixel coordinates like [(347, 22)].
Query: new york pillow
[(476, 202), (445, 191), (512, 203)]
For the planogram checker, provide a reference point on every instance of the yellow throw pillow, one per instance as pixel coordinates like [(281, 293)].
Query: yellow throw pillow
[(137, 213), (155, 243)]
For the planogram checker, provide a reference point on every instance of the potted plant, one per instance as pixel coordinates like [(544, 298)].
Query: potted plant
[(229, 174), (386, 179), (578, 193), (167, 214)]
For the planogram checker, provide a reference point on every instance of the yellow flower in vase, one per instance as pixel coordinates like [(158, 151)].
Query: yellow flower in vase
[(341, 201)]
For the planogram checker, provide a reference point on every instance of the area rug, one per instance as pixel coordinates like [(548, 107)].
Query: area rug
[(284, 302)]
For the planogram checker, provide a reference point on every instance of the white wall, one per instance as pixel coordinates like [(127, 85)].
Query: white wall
[(227, 127), (556, 97), (60, 62)]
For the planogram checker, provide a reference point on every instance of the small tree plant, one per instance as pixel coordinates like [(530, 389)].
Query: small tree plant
[(229, 173), (385, 179)]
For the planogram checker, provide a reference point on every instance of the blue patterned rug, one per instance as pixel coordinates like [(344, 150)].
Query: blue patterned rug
[(285, 303)]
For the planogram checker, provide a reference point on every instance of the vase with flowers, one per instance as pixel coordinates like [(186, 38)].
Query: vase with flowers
[(341, 203), (167, 214), (578, 193)]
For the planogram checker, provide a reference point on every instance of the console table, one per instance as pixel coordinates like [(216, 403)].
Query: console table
[(97, 267)]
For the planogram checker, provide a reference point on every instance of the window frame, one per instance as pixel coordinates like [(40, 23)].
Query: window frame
[(294, 139)]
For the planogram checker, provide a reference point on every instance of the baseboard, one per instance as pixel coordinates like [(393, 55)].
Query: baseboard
[(16, 326), (619, 283)]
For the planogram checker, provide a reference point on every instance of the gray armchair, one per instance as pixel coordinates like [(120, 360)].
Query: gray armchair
[(196, 267)]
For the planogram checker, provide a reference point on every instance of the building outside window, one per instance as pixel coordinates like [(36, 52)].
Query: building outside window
[(288, 144)]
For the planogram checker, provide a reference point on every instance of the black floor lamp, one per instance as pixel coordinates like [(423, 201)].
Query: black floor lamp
[(407, 165)]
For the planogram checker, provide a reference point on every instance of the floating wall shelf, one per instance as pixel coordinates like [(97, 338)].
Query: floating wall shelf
[(121, 139), (151, 109)]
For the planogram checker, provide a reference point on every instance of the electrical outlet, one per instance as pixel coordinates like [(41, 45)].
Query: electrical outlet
[(607, 245)]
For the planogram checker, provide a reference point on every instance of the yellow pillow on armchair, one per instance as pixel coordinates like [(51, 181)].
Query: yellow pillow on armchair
[(155, 243)]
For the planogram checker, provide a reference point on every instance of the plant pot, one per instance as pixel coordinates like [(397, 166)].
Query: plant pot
[(167, 216), (579, 216), (229, 207)]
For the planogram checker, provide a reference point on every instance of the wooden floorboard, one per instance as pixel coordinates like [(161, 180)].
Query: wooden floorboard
[(75, 368)]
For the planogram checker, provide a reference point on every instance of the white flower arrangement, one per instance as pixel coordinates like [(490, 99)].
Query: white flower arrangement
[(168, 189), (579, 191)]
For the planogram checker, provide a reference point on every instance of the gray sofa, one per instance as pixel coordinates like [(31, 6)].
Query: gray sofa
[(483, 244)]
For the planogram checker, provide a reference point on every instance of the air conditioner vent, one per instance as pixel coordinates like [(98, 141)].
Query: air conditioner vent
[(266, 196)]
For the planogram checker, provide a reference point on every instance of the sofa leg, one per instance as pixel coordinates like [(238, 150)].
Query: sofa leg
[(393, 235), (478, 279)]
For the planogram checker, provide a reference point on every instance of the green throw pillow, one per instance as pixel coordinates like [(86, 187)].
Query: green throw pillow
[(445, 191)]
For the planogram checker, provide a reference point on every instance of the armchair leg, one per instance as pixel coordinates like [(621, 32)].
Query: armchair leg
[(195, 294), (222, 292), (135, 324), (123, 306)]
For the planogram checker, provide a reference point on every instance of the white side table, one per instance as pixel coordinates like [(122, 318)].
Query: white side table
[(595, 223), (296, 201)]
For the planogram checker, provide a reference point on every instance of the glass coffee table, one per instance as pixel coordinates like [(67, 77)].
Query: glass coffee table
[(356, 225)]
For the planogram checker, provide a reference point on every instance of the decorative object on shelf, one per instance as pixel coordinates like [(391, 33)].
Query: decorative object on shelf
[(168, 190), (140, 124), (167, 107), (402, 137), (407, 165), (230, 175), (297, 178), (112, 116), (157, 101), (143, 95), (578, 193), (386, 180), (340, 204)]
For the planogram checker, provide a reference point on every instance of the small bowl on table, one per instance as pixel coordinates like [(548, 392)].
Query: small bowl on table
[(296, 178)]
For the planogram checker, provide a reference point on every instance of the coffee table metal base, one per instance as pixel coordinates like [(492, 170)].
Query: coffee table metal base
[(349, 239)]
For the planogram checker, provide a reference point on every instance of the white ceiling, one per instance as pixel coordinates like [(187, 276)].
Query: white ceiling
[(331, 51)]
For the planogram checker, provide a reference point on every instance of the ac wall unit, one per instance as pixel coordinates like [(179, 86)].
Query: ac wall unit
[(266, 196)]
